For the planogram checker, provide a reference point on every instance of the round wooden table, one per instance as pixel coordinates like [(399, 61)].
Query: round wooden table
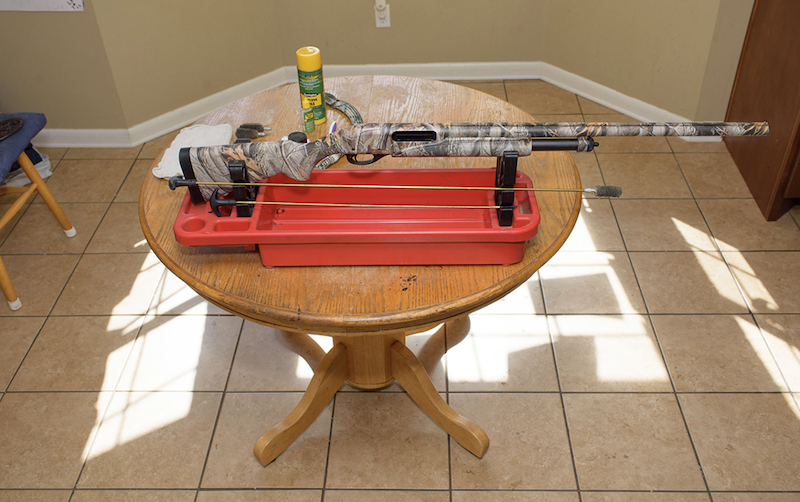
[(367, 310)]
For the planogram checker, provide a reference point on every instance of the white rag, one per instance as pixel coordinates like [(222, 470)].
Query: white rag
[(196, 135)]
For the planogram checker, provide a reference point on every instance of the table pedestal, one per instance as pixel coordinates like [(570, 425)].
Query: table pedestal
[(373, 361)]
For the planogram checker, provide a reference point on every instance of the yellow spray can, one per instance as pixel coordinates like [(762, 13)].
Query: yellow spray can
[(309, 74)]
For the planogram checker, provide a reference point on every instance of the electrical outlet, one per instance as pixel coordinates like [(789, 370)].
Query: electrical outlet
[(382, 14)]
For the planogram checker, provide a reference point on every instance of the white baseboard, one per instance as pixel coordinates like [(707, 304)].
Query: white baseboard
[(185, 115)]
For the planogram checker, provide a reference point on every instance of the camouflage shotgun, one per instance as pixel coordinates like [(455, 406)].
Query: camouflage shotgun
[(297, 160)]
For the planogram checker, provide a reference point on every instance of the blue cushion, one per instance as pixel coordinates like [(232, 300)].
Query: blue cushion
[(12, 146)]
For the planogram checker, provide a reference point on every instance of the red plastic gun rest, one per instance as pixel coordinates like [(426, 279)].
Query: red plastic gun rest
[(328, 235)]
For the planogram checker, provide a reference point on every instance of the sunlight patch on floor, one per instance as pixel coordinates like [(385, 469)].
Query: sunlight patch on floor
[(623, 346), (134, 415), (484, 355), (165, 357)]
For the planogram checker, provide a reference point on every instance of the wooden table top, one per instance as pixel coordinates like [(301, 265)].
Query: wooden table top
[(359, 300)]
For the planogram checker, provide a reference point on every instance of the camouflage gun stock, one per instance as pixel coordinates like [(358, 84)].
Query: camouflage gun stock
[(296, 160)]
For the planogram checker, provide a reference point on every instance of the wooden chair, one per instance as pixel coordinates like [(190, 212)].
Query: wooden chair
[(12, 148)]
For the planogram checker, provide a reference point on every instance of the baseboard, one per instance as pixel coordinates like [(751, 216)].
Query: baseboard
[(185, 115)]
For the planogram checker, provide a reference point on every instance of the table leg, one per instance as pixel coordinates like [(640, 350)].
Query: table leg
[(370, 362), (448, 336), (330, 374), (408, 370), (302, 345)]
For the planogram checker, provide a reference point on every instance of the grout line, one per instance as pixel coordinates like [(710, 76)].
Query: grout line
[(447, 400), (328, 453), (219, 410), (564, 410), (21, 361)]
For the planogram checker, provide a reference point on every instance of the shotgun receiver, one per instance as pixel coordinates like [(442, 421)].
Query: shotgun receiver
[(297, 159)]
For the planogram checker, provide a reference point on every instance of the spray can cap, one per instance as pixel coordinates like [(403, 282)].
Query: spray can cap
[(308, 59)]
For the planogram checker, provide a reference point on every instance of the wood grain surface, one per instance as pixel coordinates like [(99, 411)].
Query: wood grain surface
[(358, 300)]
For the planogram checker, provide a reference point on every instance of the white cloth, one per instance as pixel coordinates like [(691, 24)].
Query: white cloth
[(196, 135)]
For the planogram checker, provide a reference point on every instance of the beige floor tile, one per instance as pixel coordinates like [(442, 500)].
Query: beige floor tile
[(608, 354), (38, 280), (386, 496), (38, 231), (754, 497), (589, 107), (78, 354), (663, 225), (87, 180), (713, 175), (120, 231), (655, 176), (182, 353), (769, 280), (529, 447), (680, 145), (16, 338), (745, 441), (596, 228), (35, 495), (508, 353), (795, 212), (492, 87), (644, 497), (527, 496), (8, 227), (717, 354), (260, 496), (10, 198), (243, 419), (152, 440), (526, 299), (108, 284), (588, 168), (133, 496), (102, 153), (264, 363), (782, 333), (631, 442), (174, 297), (739, 225), (55, 154), (383, 440), (590, 283), (44, 435), (560, 117), (687, 283), (132, 186), (539, 97), (154, 147), (629, 144)]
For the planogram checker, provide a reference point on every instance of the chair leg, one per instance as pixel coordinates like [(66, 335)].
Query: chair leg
[(46, 194), (8, 288)]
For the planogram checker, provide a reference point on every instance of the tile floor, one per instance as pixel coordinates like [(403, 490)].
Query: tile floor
[(655, 358)]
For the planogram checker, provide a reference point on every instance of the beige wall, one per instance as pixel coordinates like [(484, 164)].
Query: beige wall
[(166, 54), (119, 64), (55, 62)]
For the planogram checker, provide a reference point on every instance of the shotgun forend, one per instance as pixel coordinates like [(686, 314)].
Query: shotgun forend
[(296, 160)]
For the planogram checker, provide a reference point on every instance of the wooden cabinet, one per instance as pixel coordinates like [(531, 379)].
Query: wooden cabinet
[(767, 87)]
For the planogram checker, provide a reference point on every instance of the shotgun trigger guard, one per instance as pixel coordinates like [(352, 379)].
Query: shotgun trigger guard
[(352, 159)]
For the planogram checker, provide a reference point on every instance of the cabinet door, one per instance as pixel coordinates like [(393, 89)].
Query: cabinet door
[(767, 88)]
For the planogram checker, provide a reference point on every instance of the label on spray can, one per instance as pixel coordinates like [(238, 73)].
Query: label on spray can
[(308, 118), (312, 93)]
